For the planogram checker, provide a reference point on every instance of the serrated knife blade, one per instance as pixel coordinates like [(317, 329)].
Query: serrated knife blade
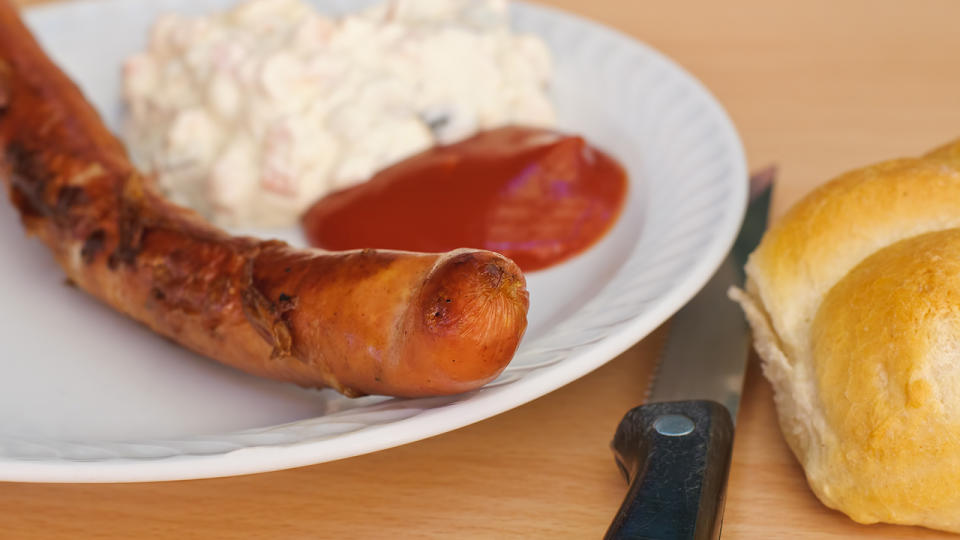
[(675, 449)]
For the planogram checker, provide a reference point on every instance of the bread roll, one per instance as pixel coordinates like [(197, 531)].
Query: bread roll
[(854, 298)]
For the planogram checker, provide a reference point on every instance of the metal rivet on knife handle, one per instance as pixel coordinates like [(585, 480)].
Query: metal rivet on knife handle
[(673, 425)]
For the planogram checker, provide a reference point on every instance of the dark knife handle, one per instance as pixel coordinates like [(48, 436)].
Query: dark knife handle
[(675, 456)]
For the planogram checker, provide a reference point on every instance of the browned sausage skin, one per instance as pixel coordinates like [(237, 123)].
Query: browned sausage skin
[(362, 322)]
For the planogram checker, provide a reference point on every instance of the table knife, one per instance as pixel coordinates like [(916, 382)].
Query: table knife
[(675, 449)]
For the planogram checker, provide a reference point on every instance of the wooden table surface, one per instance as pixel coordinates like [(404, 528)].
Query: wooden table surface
[(816, 87)]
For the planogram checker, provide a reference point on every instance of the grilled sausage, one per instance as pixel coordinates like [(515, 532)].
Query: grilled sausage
[(361, 322)]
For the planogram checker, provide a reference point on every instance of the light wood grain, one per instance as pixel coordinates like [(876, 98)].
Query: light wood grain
[(817, 87)]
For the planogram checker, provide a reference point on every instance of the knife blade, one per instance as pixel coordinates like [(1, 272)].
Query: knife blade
[(674, 450)]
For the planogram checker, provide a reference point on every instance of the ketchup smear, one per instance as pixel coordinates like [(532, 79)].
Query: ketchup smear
[(535, 196)]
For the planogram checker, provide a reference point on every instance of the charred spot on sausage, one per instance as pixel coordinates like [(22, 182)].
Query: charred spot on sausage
[(92, 246), (268, 321), (271, 320), (6, 86), (68, 197), (29, 179), (130, 227), (285, 304), (495, 273), (157, 294)]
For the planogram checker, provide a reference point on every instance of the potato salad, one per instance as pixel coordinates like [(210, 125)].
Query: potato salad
[(250, 115)]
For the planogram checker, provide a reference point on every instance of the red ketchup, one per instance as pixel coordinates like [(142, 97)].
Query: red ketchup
[(536, 196)]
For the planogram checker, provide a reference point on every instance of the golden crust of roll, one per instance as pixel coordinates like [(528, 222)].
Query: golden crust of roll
[(854, 298)]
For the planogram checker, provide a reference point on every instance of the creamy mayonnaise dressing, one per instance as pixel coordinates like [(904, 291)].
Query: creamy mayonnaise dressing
[(250, 115)]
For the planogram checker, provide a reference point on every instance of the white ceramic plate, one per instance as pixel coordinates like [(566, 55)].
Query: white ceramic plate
[(89, 396)]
